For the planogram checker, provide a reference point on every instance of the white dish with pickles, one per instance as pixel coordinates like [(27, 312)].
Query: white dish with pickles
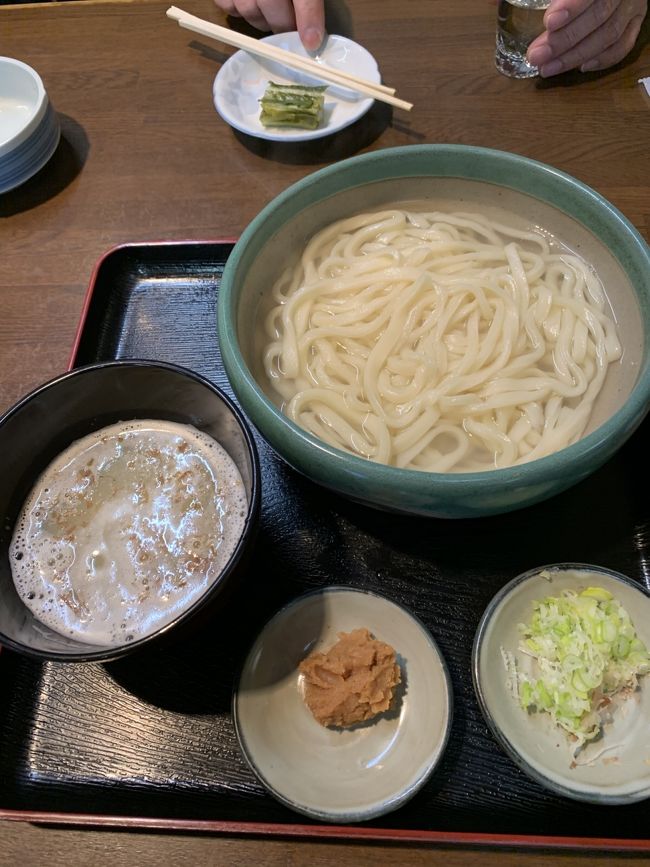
[(242, 81), (560, 665)]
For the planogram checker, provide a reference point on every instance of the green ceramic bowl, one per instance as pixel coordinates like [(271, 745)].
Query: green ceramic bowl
[(463, 178)]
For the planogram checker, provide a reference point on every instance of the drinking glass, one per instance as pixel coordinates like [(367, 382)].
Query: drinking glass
[(518, 23)]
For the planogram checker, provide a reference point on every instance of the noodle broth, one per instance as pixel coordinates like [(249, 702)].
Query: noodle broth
[(403, 412)]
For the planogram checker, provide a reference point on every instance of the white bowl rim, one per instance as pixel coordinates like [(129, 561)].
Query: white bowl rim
[(36, 115)]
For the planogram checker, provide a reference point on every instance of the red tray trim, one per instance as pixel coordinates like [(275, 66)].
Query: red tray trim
[(327, 831), (93, 278)]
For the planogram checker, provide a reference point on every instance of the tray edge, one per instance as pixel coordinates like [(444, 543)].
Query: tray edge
[(274, 829)]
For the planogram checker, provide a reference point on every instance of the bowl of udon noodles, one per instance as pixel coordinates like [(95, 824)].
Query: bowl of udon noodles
[(441, 330)]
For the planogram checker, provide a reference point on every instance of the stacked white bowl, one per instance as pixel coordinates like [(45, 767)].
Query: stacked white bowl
[(29, 126)]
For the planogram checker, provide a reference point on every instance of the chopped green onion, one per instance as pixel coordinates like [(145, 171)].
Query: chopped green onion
[(586, 649)]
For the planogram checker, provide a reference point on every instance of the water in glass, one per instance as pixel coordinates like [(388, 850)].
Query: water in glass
[(518, 23)]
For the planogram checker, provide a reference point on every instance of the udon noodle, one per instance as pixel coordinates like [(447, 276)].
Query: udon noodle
[(440, 342)]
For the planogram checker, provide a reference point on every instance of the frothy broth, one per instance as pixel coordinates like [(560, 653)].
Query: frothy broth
[(125, 529)]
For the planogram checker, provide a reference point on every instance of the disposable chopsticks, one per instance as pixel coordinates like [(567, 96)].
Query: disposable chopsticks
[(287, 58)]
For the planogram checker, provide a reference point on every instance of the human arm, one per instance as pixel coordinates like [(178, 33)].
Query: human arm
[(586, 34), (305, 16)]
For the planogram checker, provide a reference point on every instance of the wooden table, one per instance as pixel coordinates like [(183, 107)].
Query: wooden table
[(144, 156)]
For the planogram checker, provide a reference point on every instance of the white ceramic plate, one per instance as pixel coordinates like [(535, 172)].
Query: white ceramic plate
[(333, 774), (615, 769), (242, 80)]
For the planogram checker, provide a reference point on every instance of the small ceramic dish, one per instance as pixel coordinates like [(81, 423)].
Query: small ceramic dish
[(341, 775), (612, 769), (242, 80)]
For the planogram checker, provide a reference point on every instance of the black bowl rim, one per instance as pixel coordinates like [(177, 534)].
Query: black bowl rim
[(108, 654)]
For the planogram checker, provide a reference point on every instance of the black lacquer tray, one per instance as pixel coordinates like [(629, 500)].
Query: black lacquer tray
[(149, 741)]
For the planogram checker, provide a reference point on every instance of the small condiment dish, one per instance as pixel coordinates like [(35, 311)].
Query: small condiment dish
[(242, 80), (334, 774), (612, 769)]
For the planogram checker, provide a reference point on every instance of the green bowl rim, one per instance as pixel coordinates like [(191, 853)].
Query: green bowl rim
[(504, 169)]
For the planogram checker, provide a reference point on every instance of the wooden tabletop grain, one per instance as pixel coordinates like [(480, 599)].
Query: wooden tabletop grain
[(144, 156)]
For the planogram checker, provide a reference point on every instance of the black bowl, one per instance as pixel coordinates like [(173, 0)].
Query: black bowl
[(45, 422)]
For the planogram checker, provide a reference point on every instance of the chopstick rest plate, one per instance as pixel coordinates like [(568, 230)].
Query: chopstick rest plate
[(241, 81)]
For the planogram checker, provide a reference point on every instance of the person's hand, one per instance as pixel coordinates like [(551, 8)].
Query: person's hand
[(305, 16), (586, 34)]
